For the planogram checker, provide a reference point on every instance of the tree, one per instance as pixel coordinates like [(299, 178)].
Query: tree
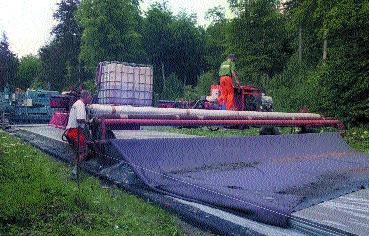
[(157, 40), (111, 32), (187, 49), (336, 84), (174, 45), (215, 14), (8, 64), (174, 88), (344, 74), (68, 35), (29, 70), (297, 85), (60, 58), (216, 38), (259, 40), (53, 68), (303, 25), (203, 84)]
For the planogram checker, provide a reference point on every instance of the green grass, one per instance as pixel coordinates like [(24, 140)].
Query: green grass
[(358, 138), (208, 133), (37, 198), (205, 131)]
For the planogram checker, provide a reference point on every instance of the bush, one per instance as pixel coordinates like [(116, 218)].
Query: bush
[(90, 86), (173, 88), (190, 94), (205, 81), (294, 88)]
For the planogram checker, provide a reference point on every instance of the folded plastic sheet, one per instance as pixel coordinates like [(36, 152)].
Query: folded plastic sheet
[(264, 177), (59, 119)]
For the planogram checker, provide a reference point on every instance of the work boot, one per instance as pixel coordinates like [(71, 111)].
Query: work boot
[(73, 175)]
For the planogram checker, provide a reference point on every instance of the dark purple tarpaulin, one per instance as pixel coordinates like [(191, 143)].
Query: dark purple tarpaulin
[(266, 177)]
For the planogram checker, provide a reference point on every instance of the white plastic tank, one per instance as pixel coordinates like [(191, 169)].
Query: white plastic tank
[(124, 84)]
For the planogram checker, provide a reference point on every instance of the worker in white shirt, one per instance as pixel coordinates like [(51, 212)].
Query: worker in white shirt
[(76, 124)]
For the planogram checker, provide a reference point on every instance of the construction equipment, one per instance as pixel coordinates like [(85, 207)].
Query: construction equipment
[(265, 178), (110, 117), (32, 106), (125, 84), (5, 108), (247, 98)]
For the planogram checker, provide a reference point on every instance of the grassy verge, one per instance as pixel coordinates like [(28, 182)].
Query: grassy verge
[(37, 198), (358, 138)]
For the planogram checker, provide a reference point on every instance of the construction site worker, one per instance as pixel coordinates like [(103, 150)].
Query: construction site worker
[(76, 127), (227, 74)]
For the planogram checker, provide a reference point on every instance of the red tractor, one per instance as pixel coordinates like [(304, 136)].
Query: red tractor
[(247, 98)]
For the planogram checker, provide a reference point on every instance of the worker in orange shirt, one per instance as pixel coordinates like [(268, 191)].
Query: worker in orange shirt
[(227, 73)]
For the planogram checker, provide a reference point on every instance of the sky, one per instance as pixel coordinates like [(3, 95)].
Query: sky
[(27, 23)]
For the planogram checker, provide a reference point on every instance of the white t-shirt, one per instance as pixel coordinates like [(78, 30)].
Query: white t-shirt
[(77, 112)]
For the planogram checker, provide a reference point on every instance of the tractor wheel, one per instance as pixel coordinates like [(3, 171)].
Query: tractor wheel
[(252, 103), (306, 130), (266, 130), (213, 128), (243, 127)]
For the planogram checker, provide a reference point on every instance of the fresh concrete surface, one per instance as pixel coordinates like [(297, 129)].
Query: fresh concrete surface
[(44, 130), (261, 228), (349, 213), (56, 134)]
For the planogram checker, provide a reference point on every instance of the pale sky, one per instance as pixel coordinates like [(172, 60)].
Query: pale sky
[(28, 23)]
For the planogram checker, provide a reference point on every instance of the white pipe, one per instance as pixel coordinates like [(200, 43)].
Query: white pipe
[(97, 110)]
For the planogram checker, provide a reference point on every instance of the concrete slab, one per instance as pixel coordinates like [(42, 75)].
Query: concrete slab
[(261, 228), (44, 130), (56, 133), (349, 213)]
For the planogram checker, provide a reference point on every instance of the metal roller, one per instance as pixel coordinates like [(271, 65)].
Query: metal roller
[(98, 110)]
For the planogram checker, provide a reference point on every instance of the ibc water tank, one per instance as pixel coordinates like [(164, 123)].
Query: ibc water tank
[(124, 84)]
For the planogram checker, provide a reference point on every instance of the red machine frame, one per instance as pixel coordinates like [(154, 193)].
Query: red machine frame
[(124, 123)]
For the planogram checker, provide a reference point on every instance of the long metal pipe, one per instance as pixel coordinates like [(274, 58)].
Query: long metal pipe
[(155, 122), (194, 117), (98, 110)]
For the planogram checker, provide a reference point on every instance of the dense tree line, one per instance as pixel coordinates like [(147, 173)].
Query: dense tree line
[(328, 70), (303, 52), (8, 64), (61, 67)]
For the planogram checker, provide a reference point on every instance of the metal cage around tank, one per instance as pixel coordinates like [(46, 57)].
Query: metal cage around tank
[(121, 83)]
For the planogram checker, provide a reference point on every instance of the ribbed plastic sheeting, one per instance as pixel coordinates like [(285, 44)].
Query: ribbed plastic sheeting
[(264, 177)]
